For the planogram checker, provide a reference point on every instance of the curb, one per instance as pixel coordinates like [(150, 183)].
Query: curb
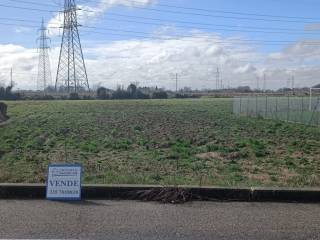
[(121, 192)]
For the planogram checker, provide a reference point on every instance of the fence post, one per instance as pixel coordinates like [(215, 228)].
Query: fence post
[(277, 108), (294, 109), (256, 105), (310, 100), (288, 109), (266, 107), (317, 111), (248, 101), (240, 105), (301, 116)]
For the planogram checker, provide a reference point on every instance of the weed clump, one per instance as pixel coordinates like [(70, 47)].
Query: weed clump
[(164, 195)]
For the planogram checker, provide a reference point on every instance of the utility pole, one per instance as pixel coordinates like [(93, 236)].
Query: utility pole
[(288, 83), (44, 69), (72, 72), (11, 78), (264, 82), (221, 80), (293, 84), (218, 79), (176, 82)]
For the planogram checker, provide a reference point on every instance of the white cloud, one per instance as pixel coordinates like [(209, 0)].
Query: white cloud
[(54, 24), (248, 68), (23, 62), (89, 13), (298, 52), (22, 29), (154, 63), (104, 5)]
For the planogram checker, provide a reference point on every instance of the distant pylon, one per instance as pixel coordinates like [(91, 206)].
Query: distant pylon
[(218, 83), (176, 82), (264, 82), (44, 70), (11, 78), (71, 74)]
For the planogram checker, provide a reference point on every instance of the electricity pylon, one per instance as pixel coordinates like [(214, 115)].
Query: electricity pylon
[(44, 70), (218, 83), (71, 74)]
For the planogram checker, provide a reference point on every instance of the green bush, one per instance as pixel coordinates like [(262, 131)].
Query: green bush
[(74, 96)]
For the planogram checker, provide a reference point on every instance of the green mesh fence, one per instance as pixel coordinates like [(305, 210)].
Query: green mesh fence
[(304, 110)]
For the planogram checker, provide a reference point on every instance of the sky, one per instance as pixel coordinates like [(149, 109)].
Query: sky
[(149, 41)]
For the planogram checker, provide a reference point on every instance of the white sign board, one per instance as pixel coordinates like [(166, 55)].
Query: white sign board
[(64, 182)]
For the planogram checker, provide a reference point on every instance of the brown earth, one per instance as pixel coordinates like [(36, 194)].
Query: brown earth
[(210, 155)]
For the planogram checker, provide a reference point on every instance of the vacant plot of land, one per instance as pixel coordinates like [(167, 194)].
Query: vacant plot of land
[(157, 142)]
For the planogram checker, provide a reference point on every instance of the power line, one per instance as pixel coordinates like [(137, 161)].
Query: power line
[(217, 29), (27, 8), (222, 11), (204, 24), (33, 3), (180, 13), (219, 16), (23, 25), (277, 30), (237, 13), (138, 36), (232, 30), (213, 16), (8, 71), (18, 20), (146, 35), (176, 12)]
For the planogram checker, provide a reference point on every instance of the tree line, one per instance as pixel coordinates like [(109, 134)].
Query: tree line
[(132, 92), (102, 93), (6, 93)]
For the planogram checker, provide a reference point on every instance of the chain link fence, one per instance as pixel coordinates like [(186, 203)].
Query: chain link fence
[(305, 110)]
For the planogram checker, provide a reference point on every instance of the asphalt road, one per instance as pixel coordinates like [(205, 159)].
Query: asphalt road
[(136, 220)]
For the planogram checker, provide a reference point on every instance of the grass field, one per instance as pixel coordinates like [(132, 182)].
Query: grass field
[(157, 142)]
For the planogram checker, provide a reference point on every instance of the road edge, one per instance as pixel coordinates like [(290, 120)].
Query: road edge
[(121, 192)]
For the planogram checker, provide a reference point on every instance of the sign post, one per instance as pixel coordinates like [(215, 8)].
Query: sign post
[(64, 182)]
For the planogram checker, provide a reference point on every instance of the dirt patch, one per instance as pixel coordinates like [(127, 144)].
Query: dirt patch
[(210, 155), (261, 177), (287, 174), (297, 155)]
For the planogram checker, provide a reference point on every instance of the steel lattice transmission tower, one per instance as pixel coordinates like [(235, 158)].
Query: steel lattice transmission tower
[(44, 70), (71, 74), (218, 83)]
